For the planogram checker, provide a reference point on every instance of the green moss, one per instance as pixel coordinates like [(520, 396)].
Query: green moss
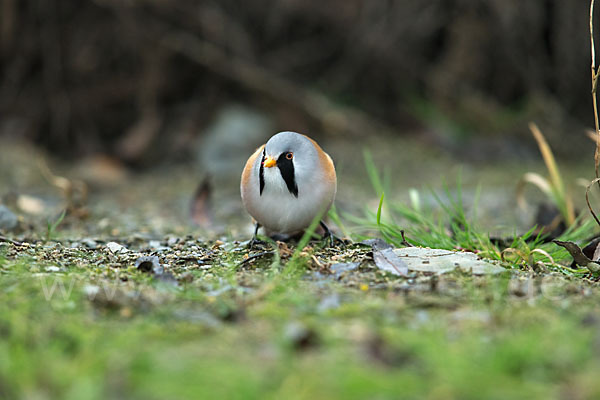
[(478, 339)]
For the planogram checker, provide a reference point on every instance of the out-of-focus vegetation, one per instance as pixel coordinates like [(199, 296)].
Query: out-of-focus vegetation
[(109, 291), (138, 79), (83, 320)]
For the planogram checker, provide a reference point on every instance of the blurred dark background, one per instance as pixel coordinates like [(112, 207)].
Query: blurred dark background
[(140, 80)]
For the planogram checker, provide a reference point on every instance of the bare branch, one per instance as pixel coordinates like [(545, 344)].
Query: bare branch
[(330, 116)]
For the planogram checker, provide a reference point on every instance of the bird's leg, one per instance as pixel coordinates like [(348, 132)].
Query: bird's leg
[(255, 239), (327, 234)]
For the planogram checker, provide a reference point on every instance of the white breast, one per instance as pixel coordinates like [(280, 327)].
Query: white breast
[(278, 210)]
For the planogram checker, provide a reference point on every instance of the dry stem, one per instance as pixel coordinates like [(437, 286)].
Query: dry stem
[(594, 86), (587, 199)]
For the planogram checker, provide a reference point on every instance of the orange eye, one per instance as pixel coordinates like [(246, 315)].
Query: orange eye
[(289, 155)]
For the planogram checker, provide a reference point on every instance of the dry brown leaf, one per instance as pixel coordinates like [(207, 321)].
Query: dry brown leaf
[(201, 207), (579, 257)]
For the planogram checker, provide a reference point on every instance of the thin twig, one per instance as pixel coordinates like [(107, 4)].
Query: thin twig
[(594, 98), (7, 240), (316, 261), (255, 256), (592, 34), (404, 242), (587, 199)]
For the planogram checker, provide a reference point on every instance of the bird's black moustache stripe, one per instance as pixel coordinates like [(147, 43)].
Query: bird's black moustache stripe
[(286, 167), (261, 172)]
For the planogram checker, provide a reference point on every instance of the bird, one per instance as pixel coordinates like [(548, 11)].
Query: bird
[(286, 183)]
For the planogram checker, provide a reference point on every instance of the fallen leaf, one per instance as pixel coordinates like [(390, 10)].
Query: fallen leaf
[(579, 257), (388, 261), (201, 210), (592, 250), (442, 261), (575, 251)]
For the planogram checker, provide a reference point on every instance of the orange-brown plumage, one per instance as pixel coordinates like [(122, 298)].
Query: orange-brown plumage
[(325, 161), (248, 168)]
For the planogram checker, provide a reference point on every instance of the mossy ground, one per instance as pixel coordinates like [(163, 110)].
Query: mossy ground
[(79, 321), (84, 323)]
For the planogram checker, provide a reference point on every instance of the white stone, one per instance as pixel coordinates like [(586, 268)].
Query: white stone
[(116, 248)]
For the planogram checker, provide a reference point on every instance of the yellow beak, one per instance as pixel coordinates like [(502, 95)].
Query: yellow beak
[(269, 162)]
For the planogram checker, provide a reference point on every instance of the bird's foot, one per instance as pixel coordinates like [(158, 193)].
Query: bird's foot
[(256, 243), (329, 238), (332, 240)]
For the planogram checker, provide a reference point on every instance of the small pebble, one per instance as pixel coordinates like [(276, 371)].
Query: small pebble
[(154, 244), (148, 264), (116, 248), (89, 243)]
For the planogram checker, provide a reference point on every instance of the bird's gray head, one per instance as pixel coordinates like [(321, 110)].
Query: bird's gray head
[(294, 156)]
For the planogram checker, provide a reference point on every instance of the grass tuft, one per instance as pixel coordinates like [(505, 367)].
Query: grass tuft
[(53, 226), (448, 225), (553, 186)]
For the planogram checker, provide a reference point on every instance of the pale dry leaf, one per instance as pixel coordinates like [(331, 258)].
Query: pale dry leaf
[(441, 261), (387, 260)]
